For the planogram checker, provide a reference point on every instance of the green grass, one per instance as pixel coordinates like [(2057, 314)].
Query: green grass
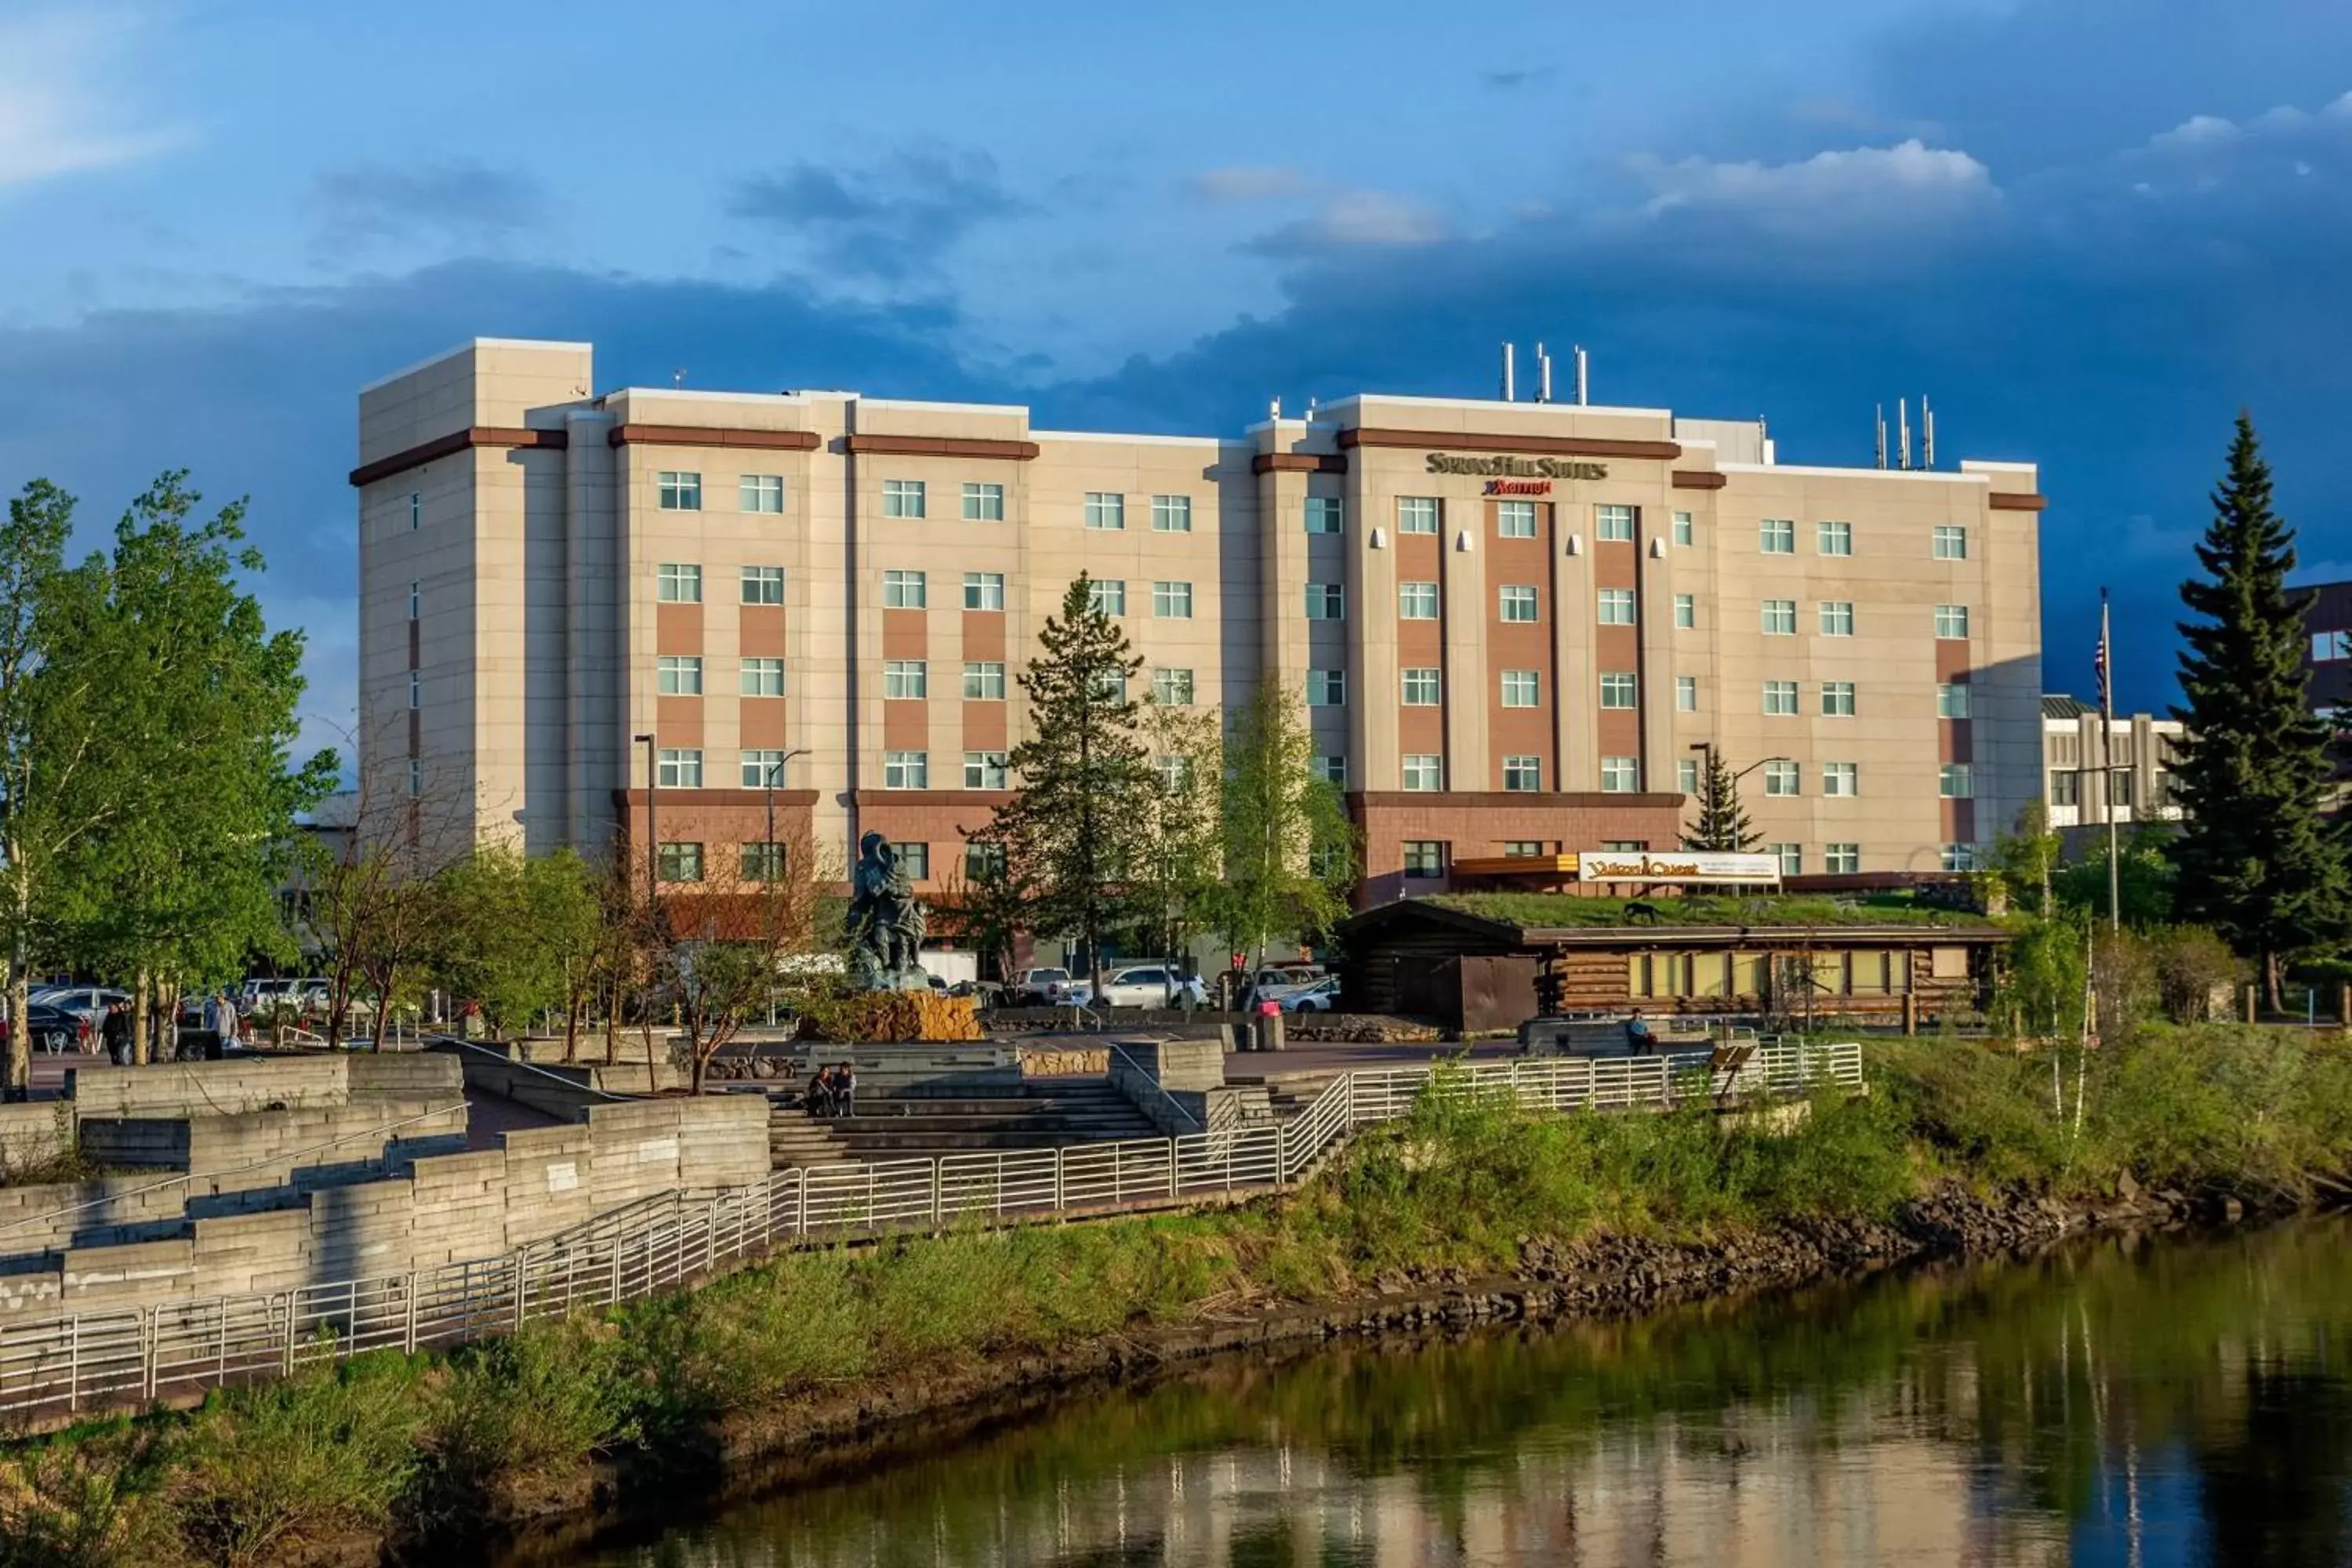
[(432, 1447), (1534, 911)]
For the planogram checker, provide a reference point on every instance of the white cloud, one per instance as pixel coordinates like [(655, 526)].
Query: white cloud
[(56, 113), (1859, 185), (1355, 220), (1249, 182)]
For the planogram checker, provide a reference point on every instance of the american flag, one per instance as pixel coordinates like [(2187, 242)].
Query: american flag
[(2099, 659)]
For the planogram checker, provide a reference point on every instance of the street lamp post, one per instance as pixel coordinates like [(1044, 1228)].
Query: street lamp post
[(769, 781), (653, 833)]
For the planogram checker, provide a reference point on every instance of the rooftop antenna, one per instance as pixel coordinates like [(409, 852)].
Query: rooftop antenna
[(1583, 376), (1543, 375), (677, 378), (1879, 416), (1510, 373), (1903, 432), (1274, 409), (1310, 410), (1927, 434)]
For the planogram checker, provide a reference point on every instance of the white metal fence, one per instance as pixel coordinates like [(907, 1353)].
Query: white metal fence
[(60, 1367)]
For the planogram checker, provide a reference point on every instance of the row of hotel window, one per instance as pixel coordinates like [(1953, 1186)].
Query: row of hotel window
[(1429, 857), (1425, 687), (685, 860), (681, 490), (680, 767)]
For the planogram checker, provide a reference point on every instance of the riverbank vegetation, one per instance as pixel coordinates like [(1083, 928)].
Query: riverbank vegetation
[(430, 1448)]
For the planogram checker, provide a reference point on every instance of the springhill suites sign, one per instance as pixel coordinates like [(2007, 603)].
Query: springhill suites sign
[(1517, 468)]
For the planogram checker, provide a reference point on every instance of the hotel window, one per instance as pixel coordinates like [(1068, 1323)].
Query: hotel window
[(1952, 699), (1417, 601), (983, 681), (1783, 777), (1960, 857), (1624, 846), (678, 767), (2326, 648), (905, 591), (905, 679), (1416, 515), (1107, 596), (680, 490), (2120, 789), (1791, 855), (1951, 542), (1325, 514), (763, 862), (1172, 515), (1424, 773), (1779, 617), (678, 675), (415, 600), (1837, 618), (1686, 693), (1613, 524), (1833, 537), (1332, 770), (1619, 689), (2066, 784), (1616, 607), (1424, 857), (763, 586), (1841, 778), (902, 498), (1951, 623), (1956, 782), (915, 860), (1521, 688), (1327, 601), (1172, 601), (1781, 698), (1621, 775), (1515, 519), (906, 770), (1106, 509), (1522, 849), (1175, 772), (1837, 698), (763, 677), (984, 770), (1517, 601), (1683, 532), (1327, 689), (681, 862), (415, 690), (760, 492), (1173, 687), (983, 503), (1687, 776), (983, 862), (1686, 611), (417, 510), (1842, 859), (1422, 687), (983, 590), (1777, 536), (678, 585), (761, 769), (1522, 775), (1110, 686)]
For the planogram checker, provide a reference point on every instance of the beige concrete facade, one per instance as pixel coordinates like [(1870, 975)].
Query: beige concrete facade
[(1486, 617)]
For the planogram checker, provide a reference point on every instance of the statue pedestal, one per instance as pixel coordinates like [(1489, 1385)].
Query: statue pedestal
[(900, 1017)]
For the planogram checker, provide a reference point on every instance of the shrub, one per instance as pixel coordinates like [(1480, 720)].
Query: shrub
[(84, 1502), (527, 1406), (2191, 965)]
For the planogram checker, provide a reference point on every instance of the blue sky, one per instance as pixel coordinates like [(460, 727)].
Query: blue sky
[(2089, 230)]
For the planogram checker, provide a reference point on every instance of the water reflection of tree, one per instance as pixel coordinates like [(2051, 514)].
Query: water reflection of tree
[(2271, 1483)]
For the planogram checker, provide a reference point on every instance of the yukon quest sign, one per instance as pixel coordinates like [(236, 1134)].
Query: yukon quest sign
[(1517, 467), (1605, 867)]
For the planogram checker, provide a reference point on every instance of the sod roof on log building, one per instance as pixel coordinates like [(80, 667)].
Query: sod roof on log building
[(1540, 919)]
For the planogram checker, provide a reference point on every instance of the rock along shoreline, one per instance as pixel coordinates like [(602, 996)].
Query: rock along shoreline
[(810, 1441)]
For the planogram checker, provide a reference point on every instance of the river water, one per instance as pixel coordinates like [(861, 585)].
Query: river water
[(2161, 1402)]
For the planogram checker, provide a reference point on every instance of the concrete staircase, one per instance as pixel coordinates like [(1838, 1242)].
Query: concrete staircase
[(1289, 1094), (1039, 1114)]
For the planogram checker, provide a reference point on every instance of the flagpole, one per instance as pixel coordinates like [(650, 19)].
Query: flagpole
[(2107, 763)]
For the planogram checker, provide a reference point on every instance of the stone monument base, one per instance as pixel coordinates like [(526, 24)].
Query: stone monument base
[(899, 1018)]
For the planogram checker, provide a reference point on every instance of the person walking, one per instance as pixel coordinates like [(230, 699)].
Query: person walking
[(116, 1033), (224, 1023)]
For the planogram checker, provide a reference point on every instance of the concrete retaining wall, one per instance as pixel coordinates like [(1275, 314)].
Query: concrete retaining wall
[(30, 1134), (167, 1089)]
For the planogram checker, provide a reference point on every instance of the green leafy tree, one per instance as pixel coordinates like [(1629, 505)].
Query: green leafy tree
[(1290, 853), (1722, 825), (2145, 877), (1070, 837), (1179, 851), (2027, 857), (493, 950), (560, 895), (2257, 863)]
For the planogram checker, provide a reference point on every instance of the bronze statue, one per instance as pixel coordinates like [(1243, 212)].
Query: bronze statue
[(885, 924)]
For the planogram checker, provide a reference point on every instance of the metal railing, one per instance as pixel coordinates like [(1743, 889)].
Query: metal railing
[(59, 1368)]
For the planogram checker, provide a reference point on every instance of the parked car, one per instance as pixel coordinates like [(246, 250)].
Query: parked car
[(86, 1002), (57, 1030), (1144, 985), (1320, 997), (1275, 975), (1037, 987)]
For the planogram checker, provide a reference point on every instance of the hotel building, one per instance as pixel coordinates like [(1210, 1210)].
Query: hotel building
[(1511, 623)]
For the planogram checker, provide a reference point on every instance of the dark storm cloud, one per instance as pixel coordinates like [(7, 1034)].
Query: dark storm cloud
[(892, 220), (445, 205)]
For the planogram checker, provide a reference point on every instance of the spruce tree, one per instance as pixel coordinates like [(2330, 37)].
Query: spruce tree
[(1722, 827), (2257, 862), (1069, 837)]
